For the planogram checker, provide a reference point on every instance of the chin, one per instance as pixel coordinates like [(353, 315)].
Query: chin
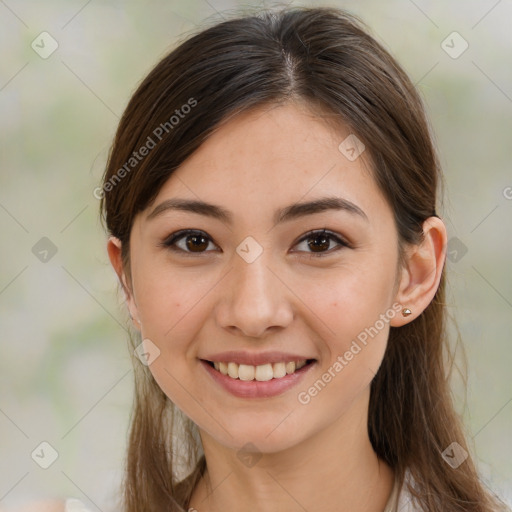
[(263, 432)]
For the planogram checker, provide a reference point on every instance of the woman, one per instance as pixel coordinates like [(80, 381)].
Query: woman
[(271, 196)]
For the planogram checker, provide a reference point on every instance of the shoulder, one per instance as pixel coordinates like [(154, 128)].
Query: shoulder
[(69, 505)]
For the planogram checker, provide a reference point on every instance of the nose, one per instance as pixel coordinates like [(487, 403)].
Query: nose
[(254, 299)]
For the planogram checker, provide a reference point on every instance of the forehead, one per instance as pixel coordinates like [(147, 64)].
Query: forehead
[(274, 156)]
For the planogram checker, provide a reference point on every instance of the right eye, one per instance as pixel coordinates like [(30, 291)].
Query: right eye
[(194, 242)]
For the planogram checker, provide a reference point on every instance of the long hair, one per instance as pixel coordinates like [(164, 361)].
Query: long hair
[(326, 59)]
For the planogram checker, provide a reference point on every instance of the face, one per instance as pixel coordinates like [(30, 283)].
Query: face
[(262, 280)]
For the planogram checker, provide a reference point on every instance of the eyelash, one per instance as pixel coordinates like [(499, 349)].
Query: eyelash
[(170, 241)]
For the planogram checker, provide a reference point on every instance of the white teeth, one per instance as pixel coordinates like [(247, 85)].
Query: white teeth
[(262, 372), (290, 367), (233, 370), (279, 370), (245, 372)]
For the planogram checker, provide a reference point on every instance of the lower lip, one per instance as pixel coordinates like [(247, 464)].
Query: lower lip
[(254, 388)]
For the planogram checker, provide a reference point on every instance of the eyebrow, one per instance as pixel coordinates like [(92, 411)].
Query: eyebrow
[(291, 212)]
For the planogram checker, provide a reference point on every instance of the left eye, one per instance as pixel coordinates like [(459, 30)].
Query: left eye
[(196, 242), (322, 239)]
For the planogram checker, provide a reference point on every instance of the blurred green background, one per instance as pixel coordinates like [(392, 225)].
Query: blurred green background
[(65, 369)]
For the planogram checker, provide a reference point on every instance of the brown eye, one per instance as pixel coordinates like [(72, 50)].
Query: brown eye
[(318, 242), (194, 241)]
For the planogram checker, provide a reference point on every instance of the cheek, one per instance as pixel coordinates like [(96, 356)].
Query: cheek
[(166, 298), (171, 306), (355, 355), (352, 313), (348, 301)]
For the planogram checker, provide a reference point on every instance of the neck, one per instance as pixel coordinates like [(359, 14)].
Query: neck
[(336, 470)]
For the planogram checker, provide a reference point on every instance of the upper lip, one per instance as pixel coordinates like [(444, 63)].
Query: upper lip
[(255, 359)]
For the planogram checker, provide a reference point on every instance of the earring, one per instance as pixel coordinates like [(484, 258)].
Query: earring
[(406, 312)]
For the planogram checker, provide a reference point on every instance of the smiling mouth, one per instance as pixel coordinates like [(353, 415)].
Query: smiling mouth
[(263, 372)]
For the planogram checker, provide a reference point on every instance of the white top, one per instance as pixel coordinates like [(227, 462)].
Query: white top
[(74, 505), (400, 499)]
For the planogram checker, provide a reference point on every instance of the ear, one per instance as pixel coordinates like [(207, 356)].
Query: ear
[(114, 253), (421, 273)]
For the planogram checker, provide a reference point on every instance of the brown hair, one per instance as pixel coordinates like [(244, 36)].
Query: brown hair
[(325, 59)]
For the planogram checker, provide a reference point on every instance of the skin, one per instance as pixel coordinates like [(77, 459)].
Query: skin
[(212, 301)]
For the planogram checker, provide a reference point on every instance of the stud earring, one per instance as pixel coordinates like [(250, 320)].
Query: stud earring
[(406, 312)]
